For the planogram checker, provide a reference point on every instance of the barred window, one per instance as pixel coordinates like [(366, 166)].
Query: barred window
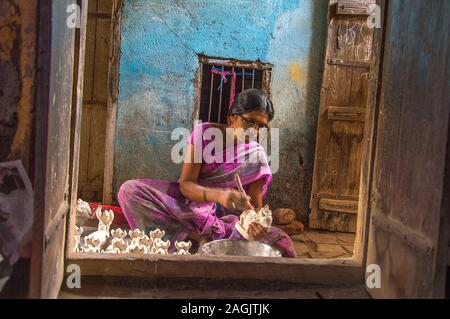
[(221, 80)]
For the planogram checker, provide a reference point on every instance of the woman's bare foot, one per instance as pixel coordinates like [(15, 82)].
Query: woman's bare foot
[(201, 240)]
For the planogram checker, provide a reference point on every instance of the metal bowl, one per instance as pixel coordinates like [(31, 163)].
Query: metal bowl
[(226, 247)]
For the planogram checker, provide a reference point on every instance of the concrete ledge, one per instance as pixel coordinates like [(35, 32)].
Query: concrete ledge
[(306, 271)]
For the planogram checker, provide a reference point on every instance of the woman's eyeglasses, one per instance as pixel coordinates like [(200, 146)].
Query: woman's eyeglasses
[(249, 123)]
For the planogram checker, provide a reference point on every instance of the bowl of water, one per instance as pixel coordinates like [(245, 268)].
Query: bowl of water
[(226, 247)]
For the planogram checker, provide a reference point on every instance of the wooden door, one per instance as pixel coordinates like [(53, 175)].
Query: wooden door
[(95, 101), (53, 133), (342, 116), (407, 235)]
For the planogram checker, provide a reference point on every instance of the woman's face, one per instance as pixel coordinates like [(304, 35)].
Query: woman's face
[(249, 125)]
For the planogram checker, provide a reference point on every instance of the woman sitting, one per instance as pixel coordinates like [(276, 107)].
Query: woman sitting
[(205, 204)]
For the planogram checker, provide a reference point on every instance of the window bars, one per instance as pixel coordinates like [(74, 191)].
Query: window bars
[(223, 80)]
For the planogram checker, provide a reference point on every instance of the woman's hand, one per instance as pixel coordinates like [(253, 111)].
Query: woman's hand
[(232, 199), (256, 231)]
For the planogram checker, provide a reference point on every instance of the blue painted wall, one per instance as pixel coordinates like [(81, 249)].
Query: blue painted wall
[(161, 40)]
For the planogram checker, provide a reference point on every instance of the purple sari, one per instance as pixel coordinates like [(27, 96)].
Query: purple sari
[(149, 203)]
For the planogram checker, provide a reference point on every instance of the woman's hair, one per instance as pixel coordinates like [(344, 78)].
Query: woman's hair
[(252, 100)]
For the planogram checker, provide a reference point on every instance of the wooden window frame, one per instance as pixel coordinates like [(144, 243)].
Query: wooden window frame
[(311, 271)]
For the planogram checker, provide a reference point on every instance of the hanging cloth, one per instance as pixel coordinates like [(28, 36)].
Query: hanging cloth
[(223, 79)]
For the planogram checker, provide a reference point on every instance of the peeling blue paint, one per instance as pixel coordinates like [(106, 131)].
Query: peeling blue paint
[(161, 41)]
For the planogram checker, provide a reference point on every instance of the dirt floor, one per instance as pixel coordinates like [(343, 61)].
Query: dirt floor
[(323, 244)]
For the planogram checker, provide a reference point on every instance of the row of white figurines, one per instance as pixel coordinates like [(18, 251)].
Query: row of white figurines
[(137, 243)]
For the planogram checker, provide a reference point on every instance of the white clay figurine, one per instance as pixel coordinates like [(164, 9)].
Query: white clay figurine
[(92, 245), (160, 246), (263, 217), (147, 242), (118, 244), (137, 233), (105, 219), (84, 212), (183, 247), (157, 233), (137, 249), (78, 232)]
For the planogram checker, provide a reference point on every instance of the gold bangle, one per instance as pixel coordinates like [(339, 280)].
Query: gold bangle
[(204, 194)]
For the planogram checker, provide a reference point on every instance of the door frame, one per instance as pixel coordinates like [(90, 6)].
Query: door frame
[(49, 224), (311, 271), (385, 218), (113, 96), (77, 110), (370, 138), (43, 58)]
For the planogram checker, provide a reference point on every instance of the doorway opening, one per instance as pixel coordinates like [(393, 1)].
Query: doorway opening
[(313, 246)]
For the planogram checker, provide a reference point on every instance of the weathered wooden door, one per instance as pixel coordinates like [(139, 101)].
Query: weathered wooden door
[(340, 130), (407, 235), (53, 134)]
